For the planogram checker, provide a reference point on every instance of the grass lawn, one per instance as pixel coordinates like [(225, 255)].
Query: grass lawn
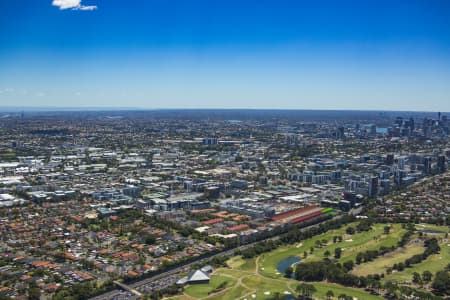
[(433, 263), (232, 272), (235, 262), (239, 263), (238, 291), (337, 290), (258, 287), (181, 297), (202, 290), (380, 264), (264, 287), (371, 240), (432, 227), (351, 245)]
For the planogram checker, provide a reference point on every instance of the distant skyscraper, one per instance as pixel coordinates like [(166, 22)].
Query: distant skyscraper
[(373, 186), (398, 176), (411, 124), (402, 162), (340, 133), (385, 185), (441, 164), (390, 159), (427, 165)]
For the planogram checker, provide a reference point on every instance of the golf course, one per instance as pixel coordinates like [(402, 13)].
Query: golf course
[(262, 278)]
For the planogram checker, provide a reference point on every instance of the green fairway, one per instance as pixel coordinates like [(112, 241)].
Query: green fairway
[(181, 297), (203, 290), (371, 240), (337, 290), (351, 245), (258, 287), (235, 262), (430, 227), (380, 264), (238, 262), (433, 263), (263, 286), (236, 292)]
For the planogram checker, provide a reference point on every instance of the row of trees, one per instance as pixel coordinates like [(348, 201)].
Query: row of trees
[(431, 247), (305, 292), (259, 248), (326, 270), (370, 255), (293, 236), (335, 272), (425, 278)]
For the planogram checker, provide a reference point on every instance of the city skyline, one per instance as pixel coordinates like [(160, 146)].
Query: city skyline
[(285, 55)]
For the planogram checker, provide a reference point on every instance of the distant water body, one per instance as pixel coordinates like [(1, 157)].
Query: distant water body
[(382, 130)]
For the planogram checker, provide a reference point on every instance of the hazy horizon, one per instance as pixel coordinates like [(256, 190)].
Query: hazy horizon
[(31, 109)]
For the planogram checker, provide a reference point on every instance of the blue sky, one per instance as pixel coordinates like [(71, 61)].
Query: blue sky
[(383, 55)]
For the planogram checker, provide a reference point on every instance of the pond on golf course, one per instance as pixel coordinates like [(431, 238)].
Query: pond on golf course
[(287, 262)]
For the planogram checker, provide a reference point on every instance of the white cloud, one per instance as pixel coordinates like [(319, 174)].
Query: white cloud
[(72, 4), (65, 4), (87, 7)]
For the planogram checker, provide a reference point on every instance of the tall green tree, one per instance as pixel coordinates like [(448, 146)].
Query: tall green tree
[(288, 272), (427, 276), (441, 282), (34, 293), (416, 278), (337, 253), (305, 290)]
